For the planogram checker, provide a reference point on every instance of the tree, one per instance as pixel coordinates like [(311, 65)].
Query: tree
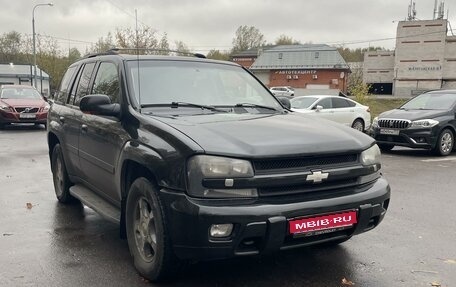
[(217, 55), (103, 44), (286, 40), (356, 55), (247, 38), (144, 38), (181, 47), (163, 45), (73, 55)]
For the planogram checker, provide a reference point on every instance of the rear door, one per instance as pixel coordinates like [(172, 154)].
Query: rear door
[(344, 111), (101, 138)]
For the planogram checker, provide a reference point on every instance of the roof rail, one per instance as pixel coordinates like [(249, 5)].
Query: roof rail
[(109, 52), (136, 50)]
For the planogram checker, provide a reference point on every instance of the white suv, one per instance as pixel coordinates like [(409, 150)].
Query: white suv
[(282, 91)]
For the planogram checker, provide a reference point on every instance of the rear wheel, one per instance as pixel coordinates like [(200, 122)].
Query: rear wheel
[(147, 233), (445, 143), (59, 174), (385, 147), (358, 124)]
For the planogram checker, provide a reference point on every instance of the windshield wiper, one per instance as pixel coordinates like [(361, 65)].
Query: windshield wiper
[(250, 105), (184, 104)]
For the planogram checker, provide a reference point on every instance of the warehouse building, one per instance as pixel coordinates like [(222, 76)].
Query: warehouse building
[(424, 59), (12, 74)]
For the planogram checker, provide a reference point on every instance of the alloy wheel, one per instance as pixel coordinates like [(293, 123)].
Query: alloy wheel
[(446, 143), (144, 229)]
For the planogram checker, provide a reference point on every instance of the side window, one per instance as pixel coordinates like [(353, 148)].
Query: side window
[(339, 103), (83, 85), (62, 93), (325, 103), (107, 82)]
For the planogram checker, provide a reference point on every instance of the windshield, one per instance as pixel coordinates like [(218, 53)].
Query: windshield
[(302, 103), (209, 84), (20, 93), (430, 102)]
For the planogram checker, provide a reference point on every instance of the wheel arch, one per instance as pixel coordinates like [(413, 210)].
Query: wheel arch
[(53, 140)]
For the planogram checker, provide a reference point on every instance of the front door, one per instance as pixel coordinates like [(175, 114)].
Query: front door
[(101, 138)]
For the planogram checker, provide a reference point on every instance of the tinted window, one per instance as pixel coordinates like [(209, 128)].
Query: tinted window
[(302, 103), (325, 103), (107, 82), (84, 81), (62, 93), (340, 103), (20, 93), (431, 102)]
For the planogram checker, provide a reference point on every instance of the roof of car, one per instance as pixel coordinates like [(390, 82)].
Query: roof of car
[(17, 86)]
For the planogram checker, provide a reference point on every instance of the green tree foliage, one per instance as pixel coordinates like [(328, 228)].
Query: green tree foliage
[(218, 55), (247, 37), (286, 40)]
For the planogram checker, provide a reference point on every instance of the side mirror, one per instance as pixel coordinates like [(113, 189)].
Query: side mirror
[(285, 102), (318, 108), (99, 105)]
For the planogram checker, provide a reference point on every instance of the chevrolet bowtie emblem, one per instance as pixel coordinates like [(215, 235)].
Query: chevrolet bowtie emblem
[(317, 176)]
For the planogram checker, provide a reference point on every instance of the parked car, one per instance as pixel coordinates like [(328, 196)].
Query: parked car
[(426, 121), (195, 159), (282, 91), (22, 104), (334, 108)]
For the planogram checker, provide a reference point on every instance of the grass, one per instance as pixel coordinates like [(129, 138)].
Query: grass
[(378, 106)]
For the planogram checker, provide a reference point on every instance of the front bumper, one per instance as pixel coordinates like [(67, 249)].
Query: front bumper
[(13, 117), (262, 227), (414, 138)]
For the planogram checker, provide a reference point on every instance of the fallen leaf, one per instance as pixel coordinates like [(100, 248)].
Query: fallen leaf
[(347, 282), (29, 205), (450, 261), (435, 284)]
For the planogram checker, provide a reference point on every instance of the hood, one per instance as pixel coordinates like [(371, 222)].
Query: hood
[(412, 115), (23, 102), (261, 135)]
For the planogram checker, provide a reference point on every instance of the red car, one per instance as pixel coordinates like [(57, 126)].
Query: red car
[(22, 104)]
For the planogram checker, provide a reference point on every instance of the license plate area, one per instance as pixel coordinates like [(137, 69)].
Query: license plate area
[(322, 224), (389, 132), (27, 116)]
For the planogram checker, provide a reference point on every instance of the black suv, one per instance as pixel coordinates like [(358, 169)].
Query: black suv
[(196, 159), (426, 121)]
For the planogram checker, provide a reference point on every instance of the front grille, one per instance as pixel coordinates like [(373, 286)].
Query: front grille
[(302, 163), (307, 187), (393, 139), (393, 124), (26, 110)]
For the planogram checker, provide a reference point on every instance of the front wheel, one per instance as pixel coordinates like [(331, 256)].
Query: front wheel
[(445, 143), (147, 233)]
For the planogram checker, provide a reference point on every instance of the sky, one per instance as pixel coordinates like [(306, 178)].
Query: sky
[(204, 25)]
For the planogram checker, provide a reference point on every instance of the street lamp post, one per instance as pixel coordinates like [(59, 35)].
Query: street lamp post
[(34, 45)]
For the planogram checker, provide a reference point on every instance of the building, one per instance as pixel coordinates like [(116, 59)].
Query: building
[(12, 74), (313, 68), (424, 59)]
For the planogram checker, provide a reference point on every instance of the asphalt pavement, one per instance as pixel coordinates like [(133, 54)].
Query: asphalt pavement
[(44, 243)]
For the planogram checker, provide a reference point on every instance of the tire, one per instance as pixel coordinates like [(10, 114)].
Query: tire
[(60, 176), (358, 125), (445, 143), (147, 233), (385, 147)]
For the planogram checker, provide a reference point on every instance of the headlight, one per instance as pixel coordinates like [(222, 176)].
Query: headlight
[(371, 156), (375, 122), (215, 177), (46, 107), (428, 123), (4, 108)]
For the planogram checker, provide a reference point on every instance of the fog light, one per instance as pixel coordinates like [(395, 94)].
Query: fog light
[(221, 230)]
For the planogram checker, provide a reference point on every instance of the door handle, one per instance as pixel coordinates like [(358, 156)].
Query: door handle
[(62, 119), (84, 127)]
